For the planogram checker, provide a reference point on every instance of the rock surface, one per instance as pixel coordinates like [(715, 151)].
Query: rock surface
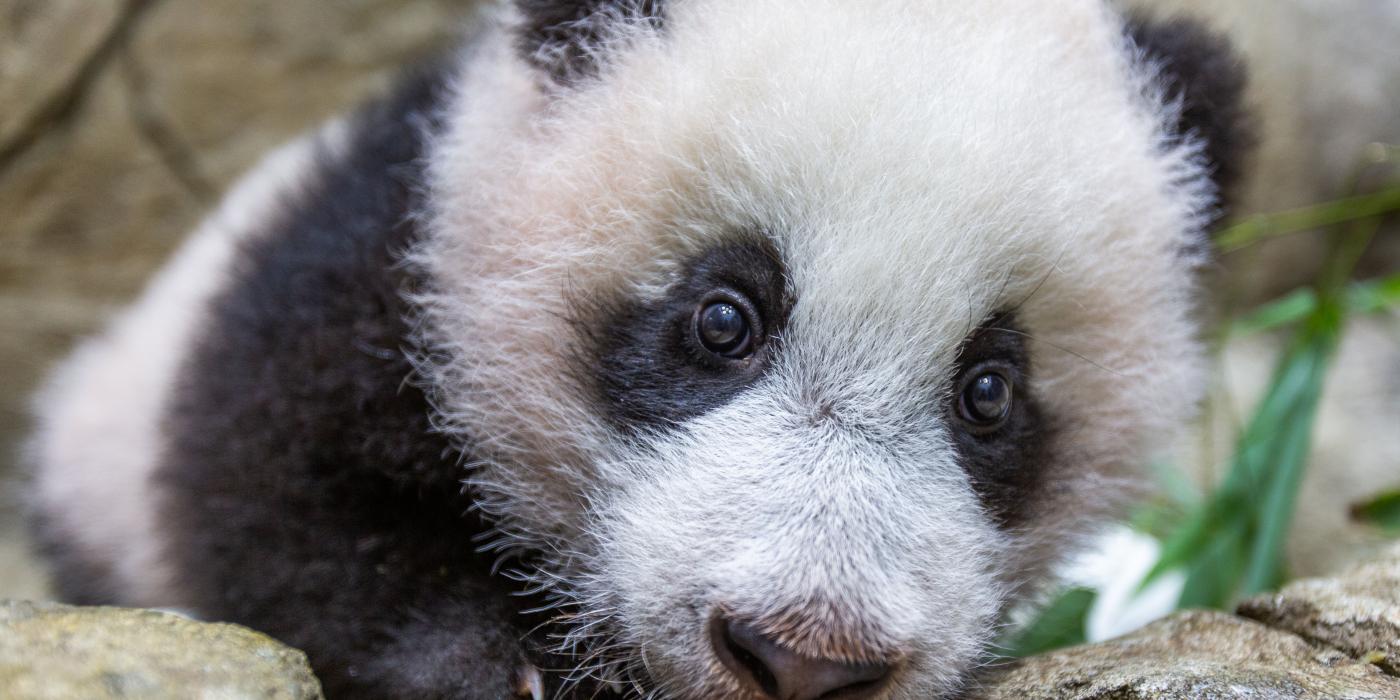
[(121, 121), (1357, 612), (1325, 639), (1317, 638), (1324, 79), (60, 652), (1195, 655)]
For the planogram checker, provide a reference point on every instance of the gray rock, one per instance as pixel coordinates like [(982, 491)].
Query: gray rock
[(46, 48), (1357, 612), (121, 122), (59, 652), (1195, 655)]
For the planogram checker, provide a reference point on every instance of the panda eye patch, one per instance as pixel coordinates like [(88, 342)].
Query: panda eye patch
[(723, 326), (986, 398)]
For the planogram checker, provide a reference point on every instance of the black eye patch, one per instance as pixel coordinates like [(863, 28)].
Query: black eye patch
[(1002, 454), (654, 362)]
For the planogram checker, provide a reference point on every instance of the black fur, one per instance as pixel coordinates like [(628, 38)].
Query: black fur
[(643, 358), (78, 577), (1004, 466), (305, 491), (1202, 70), (561, 37)]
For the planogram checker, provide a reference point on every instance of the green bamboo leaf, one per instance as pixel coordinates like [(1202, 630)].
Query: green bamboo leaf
[(1159, 518), (1232, 544), (1373, 296), (1264, 226), (1288, 310), (1178, 496), (1362, 298), (1226, 509), (1060, 624), (1382, 511), (1292, 440), (1213, 577)]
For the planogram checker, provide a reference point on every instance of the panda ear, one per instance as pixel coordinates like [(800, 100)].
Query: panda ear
[(567, 39), (1200, 71)]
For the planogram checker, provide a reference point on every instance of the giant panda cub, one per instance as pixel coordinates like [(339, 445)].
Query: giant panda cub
[(753, 349)]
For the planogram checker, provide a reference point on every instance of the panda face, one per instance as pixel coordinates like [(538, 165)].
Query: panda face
[(802, 337)]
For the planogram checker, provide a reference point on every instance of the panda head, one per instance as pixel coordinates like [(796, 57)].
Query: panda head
[(792, 340)]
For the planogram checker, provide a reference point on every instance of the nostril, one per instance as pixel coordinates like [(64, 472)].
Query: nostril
[(763, 664), (757, 671)]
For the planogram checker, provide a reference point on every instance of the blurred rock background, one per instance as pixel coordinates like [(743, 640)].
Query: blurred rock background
[(1325, 80), (121, 121)]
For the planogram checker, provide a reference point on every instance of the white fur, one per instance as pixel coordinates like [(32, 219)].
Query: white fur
[(919, 165), (99, 430)]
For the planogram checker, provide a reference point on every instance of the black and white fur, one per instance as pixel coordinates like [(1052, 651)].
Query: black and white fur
[(456, 326)]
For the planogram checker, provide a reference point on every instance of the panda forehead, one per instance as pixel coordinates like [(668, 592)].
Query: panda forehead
[(818, 95), (912, 137)]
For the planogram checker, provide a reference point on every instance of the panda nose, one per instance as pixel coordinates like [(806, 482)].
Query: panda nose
[(760, 662)]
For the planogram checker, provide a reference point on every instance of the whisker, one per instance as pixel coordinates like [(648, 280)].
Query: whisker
[(1061, 348), (1054, 267)]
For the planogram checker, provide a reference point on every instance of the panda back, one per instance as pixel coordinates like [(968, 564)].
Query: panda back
[(99, 430)]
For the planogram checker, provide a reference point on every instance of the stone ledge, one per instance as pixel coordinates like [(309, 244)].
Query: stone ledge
[(50, 651), (1195, 654), (1323, 638), (1357, 612), (1317, 638)]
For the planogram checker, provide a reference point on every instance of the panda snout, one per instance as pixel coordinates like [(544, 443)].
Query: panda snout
[(765, 666)]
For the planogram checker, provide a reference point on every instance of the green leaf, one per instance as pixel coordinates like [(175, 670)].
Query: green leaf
[(1362, 298), (1263, 226), (1291, 441), (1382, 511), (1213, 575), (1375, 295), (1223, 511), (1288, 310), (1233, 544), (1060, 624)]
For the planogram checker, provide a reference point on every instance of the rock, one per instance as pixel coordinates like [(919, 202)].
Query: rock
[(1357, 612), (47, 48), (17, 577), (1194, 655), (122, 121), (1324, 79), (61, 652)]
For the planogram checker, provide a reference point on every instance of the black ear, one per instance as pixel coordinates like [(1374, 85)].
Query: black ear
[(1200, 69), (565, 38)]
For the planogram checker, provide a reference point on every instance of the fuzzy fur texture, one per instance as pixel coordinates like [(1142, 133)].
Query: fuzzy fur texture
[(888, 181), (1040, 166), (99, 436)]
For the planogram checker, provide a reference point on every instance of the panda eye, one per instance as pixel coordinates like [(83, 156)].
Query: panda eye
[(985, 400), (722, 327)]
